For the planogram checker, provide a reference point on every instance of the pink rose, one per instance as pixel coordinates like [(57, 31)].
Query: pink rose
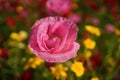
[(53, 39), (59, 7)]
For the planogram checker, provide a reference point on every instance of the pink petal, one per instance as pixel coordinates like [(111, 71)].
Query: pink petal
[(33, 37), (61, 57)]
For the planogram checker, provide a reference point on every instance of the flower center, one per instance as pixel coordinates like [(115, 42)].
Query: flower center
[(53, 42)]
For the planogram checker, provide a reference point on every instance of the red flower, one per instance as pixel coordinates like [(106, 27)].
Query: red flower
[(10, 21), (114, 9), (3, 53), (111, 3), (1, 37), (118, 62), (15, 3), (92, 5), (27, 75), (23, 13), (96, 60), (42, 9), (116, 17), (10, 6), (2, 2), (85, 35), (41, 4)]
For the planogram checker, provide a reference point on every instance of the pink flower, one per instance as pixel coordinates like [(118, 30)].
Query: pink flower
[(75, 17), (53, 39), (94, 21), (110, 28), (59, 7)]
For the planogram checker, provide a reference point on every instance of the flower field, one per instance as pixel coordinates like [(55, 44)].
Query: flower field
[(59, 40)]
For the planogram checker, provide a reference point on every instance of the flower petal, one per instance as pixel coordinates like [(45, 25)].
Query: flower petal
[(61, 57)]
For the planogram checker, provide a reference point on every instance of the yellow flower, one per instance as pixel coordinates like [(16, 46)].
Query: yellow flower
[(117, 32), (19, 8), (94, 78), (89, 43), (15, 36), (23, 35), (21, 45), (93, 30), (12, 43), (59, 71), (111, 61), (77, 68), (88, 54), (33, 63)]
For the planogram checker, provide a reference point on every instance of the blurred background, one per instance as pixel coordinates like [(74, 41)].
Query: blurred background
[(99, 36)]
